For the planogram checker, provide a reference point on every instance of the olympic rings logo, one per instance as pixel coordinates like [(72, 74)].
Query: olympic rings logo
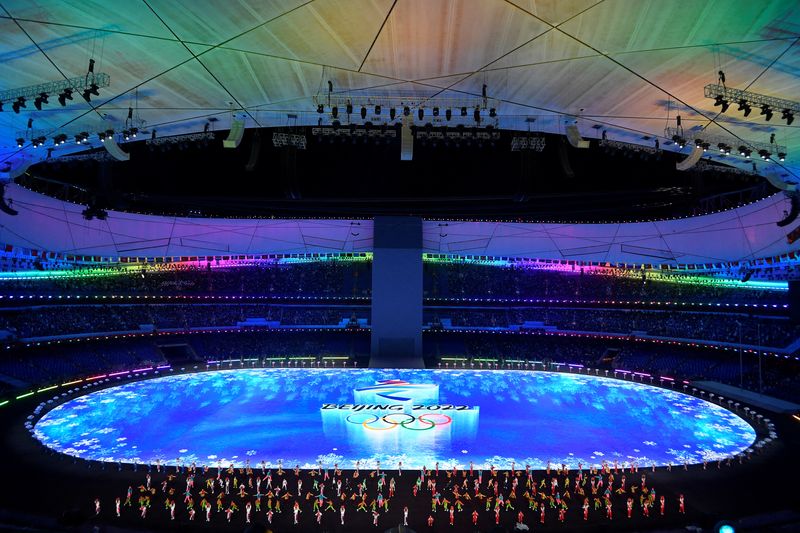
[(374, 422)]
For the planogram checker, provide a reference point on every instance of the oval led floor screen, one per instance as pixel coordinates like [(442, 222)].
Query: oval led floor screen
[(417, 417)]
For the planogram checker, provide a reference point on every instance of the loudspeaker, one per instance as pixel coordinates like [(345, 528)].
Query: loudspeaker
[(563, 158), (255, 152), (574, 137), (235, 135), (406, 141), (113, 148), (794, 210), (5, 207)]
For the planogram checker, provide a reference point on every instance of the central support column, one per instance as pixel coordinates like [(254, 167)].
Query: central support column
[(397, 293)]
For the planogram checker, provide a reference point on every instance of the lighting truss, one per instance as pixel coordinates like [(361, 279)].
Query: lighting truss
[(175, 139), (727, 140), (356, 132), (456, 135), (87, 130), (535, 143), (734, 96), (280, 139), (53, 88), (399, 102), (620, 145)]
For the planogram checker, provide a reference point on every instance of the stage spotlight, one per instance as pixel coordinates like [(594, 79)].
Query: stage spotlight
[(782, 156), (463, 111), (134, 132), (377, 110), (92, 90), (698, 143), (744, 106), (420, 113), (320, 108), (65, 95), (20, 142), (335, 112), (19, 102), (764, 154), (767, 112), (492, 112), (102, 136), (363, 112), (41, 99), (435, 111), (680, 141), (406, 111), (349, 108), (788, 116), (78, 139), (126, 134), (721, 101), (392, 113), (448, 114)]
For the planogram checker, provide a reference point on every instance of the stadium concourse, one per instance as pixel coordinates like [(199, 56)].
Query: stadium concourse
[(399, 265)]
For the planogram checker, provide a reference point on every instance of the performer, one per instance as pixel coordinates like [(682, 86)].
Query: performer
[(430, 520), (375, 515), (662, 501), (117, 503), (269, 516), (541, 509), (248, 508), (405, 515), (630, 506), (474, 517), (585, 509), (96, 506), (681, 506), (341, 513), (296, 511), (191, 514), (452, 516)]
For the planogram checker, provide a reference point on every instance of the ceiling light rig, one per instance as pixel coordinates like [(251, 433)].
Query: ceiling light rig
[(435, 110), (724, 145), (723, 95), (88, 85)]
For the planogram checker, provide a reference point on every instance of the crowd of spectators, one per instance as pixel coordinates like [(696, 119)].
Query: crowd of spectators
[(44, 365), (322, 278), (47, 321), (780, 377), (724, 327), (460, 280)]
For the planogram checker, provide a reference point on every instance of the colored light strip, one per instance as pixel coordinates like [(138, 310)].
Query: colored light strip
[(25, 395), (119, 373), (97, 377), (793, 416), (72, 382), (162, 367), (617, 271), (4, 402), (665, 378), (142, 369), (47, 388)]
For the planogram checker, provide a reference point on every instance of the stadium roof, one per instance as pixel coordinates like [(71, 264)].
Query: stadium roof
[(626, 66)]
